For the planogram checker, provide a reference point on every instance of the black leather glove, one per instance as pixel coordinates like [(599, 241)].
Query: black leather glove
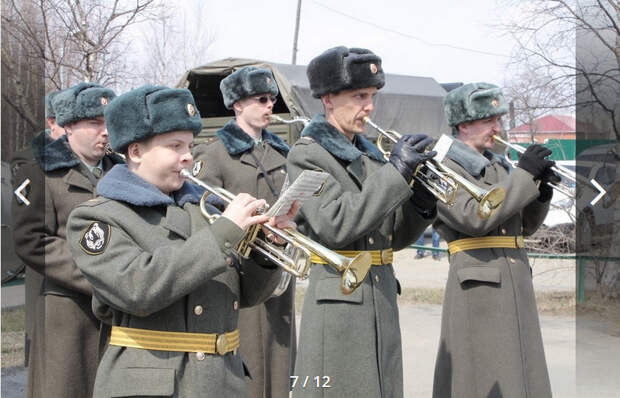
[(408, 153), (546, 191), (533, 160), (423, 199)]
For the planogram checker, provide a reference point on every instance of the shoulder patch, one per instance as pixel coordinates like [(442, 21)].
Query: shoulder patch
[(199, 166), (95, 238)]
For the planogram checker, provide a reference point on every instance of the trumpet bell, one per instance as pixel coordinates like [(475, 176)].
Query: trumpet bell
[(355, 272)]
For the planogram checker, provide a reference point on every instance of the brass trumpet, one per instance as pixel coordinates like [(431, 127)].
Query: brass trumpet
[(295, 257), (442, 181), (562, 171)]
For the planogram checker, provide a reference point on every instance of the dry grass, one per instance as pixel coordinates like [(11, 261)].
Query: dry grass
[(604, 310), (13, 337)]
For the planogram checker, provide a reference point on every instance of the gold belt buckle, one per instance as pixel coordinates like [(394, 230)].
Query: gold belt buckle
[(519, 244), (385, 257), (221, 344)]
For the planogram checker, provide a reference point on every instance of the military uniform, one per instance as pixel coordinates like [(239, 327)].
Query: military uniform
[(66, 329), (166, 280), (33, 280), (490, 344), (267, 330), (352, 342), (162, 267)]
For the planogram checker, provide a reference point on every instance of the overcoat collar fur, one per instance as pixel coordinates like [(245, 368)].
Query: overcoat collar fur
[(326, 135), (473, 161), (123, 185), (53, 154), (237, 141)]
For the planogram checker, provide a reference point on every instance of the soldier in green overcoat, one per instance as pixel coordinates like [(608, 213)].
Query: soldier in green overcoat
[(33, 280), (168, 282), (246, 157), (350, 345), (62, 175), (490, 344)]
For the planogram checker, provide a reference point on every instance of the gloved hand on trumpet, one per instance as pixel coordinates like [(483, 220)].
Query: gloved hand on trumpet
[(406, 156)]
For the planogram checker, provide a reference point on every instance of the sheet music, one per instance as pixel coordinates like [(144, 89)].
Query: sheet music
[(305, 186), (442, 146)]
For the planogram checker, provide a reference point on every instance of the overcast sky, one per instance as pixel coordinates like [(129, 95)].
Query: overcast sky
[(448, 40)]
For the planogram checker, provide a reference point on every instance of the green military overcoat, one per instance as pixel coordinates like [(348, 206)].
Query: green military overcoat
[(490, 344), (33, 281), (267, 330), (69, 331), (157, 264), (352, 343)]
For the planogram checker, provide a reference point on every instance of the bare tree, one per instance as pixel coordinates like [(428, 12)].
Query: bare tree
[(533, 97), (572, 44), (176, 41), (62, 42)]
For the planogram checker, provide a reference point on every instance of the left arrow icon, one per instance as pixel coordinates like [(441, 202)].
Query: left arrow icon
[(20, 195)]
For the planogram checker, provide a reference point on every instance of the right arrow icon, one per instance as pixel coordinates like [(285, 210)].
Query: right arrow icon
[(601, 193)]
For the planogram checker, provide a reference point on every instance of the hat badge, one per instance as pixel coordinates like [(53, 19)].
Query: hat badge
[(268, 80), (495, 103), (104, 101), (191, 110), (373, 69)]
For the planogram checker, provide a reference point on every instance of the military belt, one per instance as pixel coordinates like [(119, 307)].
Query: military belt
[(208, 343), (379, 257), (486, 242)]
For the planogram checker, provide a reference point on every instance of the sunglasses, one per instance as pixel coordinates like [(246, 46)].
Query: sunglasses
[(264, 98)]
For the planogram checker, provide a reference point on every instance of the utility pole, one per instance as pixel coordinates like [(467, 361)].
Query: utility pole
[(296, 32)]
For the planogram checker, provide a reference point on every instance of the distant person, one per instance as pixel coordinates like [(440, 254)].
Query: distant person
[(420, 242)]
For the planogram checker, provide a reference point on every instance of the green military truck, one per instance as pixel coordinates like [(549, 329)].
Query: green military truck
[(408, 104)]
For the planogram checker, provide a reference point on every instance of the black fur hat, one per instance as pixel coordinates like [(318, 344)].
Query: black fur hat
[(342, 68), (246, 82)]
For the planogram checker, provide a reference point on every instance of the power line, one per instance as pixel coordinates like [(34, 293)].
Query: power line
[(428, 43)]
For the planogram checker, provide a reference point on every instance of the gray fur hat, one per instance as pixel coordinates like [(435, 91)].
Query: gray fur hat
[(49, 107), (82, 101), (342, 68), (474, 101), (150, 110), (246, 82)]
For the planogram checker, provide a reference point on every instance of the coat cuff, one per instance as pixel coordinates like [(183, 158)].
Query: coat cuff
[(228, 235)]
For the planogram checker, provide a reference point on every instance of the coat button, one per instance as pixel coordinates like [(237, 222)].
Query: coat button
[(227, 245), (371, 240), (198, 310), (503, 231), (235, 305), (390, 237), (229, 261), (512, 260), (200, 356), (377, 278)]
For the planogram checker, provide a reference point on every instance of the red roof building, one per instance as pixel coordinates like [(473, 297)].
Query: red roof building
[(559, 127)]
